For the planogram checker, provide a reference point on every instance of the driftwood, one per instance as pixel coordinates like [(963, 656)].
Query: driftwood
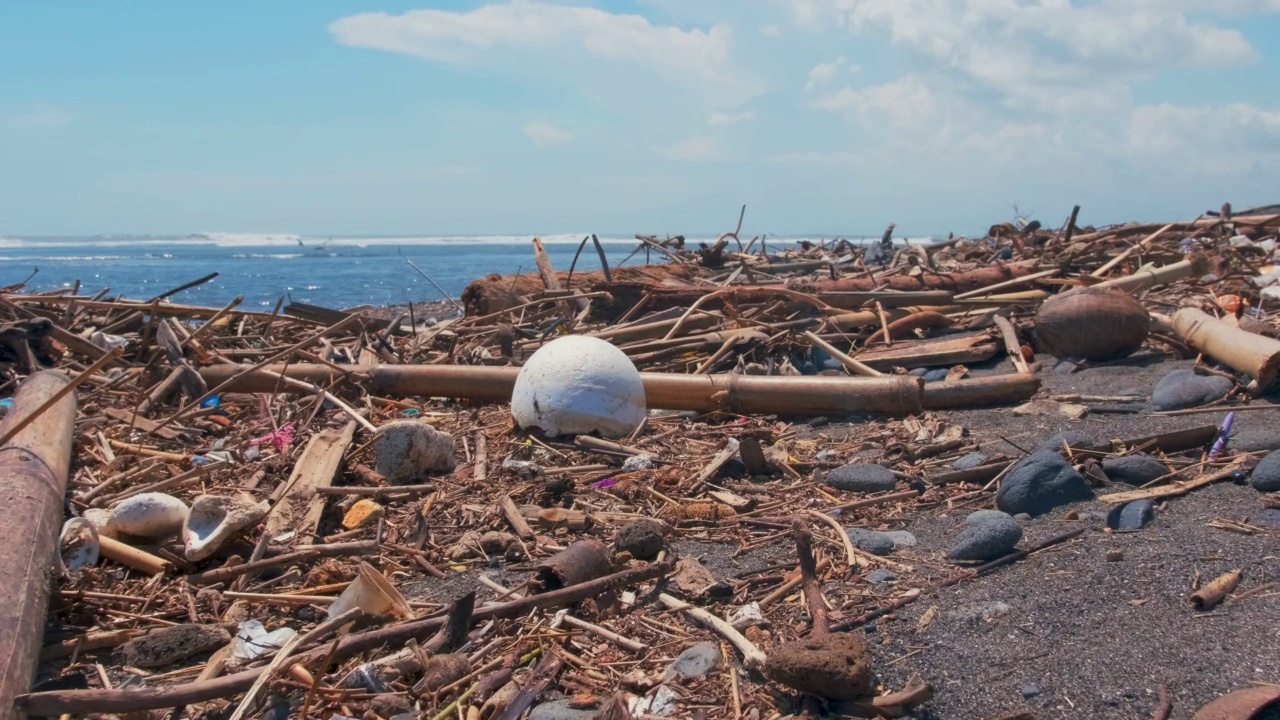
[(671, 286), (33, 481), (495, 293)]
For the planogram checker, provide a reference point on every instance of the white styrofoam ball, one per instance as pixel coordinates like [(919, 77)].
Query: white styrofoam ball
[(576, 385)]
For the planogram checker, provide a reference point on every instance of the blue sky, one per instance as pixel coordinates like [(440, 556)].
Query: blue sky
[(823, 116)]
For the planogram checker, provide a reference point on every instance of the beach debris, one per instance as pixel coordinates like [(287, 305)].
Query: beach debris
[(1252, 354), (1039, 483), (411, 451), (1091, 324), (1137, 469), (1265, 476), (78, 544), (692, 579), (763, 364), (578, 563), (373, 594), (862, 477), (1184, 388), (1208, 597), (836, 666), (253, 641), (643, 538), (214, 519), (168, 645), (442, 670), (153, 516), (987, 535), (362, 513), (579, 385)]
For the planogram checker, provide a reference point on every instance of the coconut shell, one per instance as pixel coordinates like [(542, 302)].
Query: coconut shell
[(1092, 323)]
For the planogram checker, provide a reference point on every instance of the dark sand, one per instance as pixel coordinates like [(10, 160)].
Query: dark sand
[(1096, 638)]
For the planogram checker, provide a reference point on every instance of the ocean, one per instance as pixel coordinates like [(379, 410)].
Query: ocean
[(337, 272)]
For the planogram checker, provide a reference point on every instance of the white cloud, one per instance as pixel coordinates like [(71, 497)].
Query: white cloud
[(722, 118), (39, 117), (770, 31), (693, 150), (823, 74), (905, 100), (1222, 140), (536, 29), (545, 134), (1052, 55)]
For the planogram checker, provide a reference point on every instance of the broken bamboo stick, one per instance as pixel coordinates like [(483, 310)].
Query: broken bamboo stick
[(1255, 355)]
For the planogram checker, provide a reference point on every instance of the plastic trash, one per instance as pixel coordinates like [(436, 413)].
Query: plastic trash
[(108, 342), (577, 385), (252, 641), (373, 593), (212, 401)]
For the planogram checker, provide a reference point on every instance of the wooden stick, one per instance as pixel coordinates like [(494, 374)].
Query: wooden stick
[(849, 362), (752, 657), (621, 641), (1176, 488), (1122, 256), (851, 555), (1011, 345), (809, 576), (513, 516), (376, 491)]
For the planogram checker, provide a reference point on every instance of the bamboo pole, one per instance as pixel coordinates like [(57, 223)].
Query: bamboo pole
[(1193, 267), (1255, 355), (746, 394), (33, 482)]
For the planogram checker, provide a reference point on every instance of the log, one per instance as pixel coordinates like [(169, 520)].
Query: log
[(1249, 353), (33, 483)]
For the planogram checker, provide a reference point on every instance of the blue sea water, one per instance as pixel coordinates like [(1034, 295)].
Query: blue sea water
[(334, 272)]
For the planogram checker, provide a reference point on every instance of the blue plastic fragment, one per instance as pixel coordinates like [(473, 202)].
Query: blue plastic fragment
[(210, 402)]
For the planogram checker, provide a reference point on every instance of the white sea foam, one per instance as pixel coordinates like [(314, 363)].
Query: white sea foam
[(316, 243)]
